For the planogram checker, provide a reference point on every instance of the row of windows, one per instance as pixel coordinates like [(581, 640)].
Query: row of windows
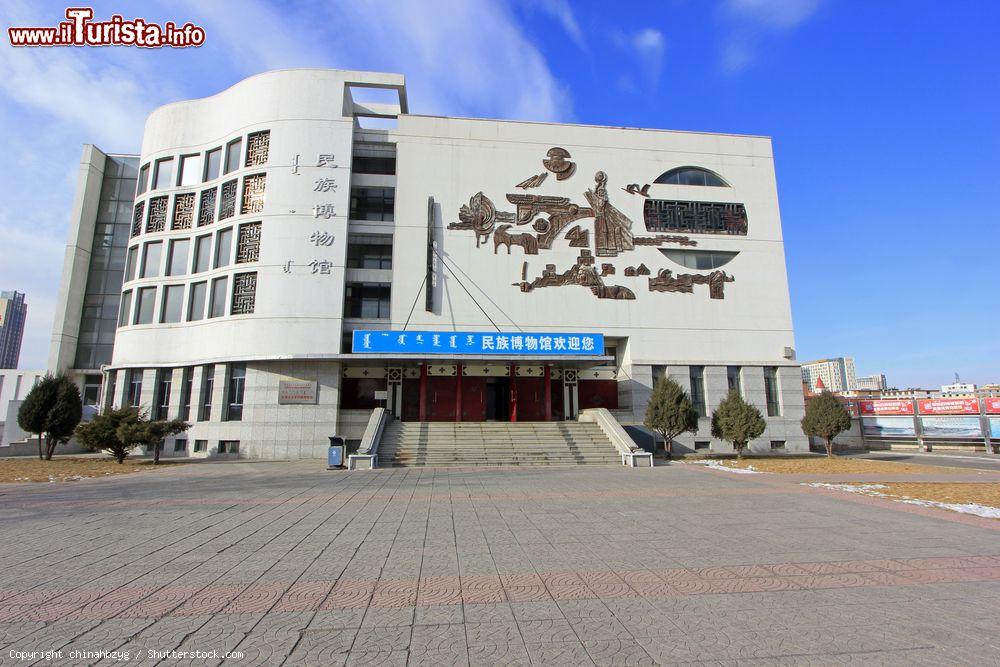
[(691, 176), (373, 203), (367, 300), (192, 209), (369, 251), (180, 260), (172, 304), (180, 446), (734, 380), (203, 167), (235, 390), (374, 164), (698, 259)]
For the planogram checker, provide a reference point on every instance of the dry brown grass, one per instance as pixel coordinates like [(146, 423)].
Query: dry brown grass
[(821, 465), (946, 492), (30, 469)]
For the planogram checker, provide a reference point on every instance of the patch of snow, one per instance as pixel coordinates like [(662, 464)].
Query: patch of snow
[(870, 490), (717, 465)]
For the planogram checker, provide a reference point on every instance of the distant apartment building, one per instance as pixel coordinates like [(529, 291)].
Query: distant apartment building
[(874, 382), (837, 374), (13, 312)]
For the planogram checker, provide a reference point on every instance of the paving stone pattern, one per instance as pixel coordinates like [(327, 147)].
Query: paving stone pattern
[(290, 564)]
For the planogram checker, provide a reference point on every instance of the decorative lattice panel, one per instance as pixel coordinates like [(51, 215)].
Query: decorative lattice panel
[(227, 207), (183, 211), (206, 212), (253, 193), (248, 243), (157, 220), (244, 293), (699, 217), (257, 145), (140, 210)]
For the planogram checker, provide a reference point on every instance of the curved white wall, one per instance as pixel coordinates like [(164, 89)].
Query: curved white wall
[(295, 314)]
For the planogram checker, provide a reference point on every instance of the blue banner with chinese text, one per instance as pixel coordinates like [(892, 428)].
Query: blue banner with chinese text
[(465, 342)]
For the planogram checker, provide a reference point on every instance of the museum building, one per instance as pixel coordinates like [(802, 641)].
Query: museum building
[(286, 256)]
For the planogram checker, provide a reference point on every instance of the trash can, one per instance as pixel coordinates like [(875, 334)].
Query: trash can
[(335, 455)]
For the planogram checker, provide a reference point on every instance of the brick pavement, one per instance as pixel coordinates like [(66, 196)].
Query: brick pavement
[(291, 564)]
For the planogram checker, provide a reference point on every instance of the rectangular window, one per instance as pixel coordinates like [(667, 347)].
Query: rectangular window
[(733, 376), (233, 149), (177, 257), (202, 253), (371, 164), (134, 387), (163, 175), (109, 396), (187, 386), (213, 160), (151, 260), (771, 391), (702, 444), (217, 307), (207, 384), (229, 446), (91, 390), (778, 445), (369, 251), (133, 253), (372, 203), (146, 301), (126, 308), (200, 445), (173, 304), (196, 306), (190, 169), (180, 446), (697, 375), (143, 180), (161, 393), (223, 248), (234, 392), (367, 300)]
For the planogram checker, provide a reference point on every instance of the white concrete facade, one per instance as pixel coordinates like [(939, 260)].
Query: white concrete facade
[(296, 321)]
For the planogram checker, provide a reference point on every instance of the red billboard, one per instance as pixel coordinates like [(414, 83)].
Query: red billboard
[(949, 406), (993, 406), (886, 407)]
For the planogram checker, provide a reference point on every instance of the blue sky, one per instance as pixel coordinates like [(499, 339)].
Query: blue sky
[(883, 114)]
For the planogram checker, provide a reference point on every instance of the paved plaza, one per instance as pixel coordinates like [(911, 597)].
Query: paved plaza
[(287, 563)]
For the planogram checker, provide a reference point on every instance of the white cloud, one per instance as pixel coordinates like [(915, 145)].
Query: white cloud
[(648, 47), (777, 14), (747, 23), (562, 12)]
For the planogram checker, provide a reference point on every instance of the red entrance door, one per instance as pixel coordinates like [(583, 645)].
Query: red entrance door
[(441, 393)]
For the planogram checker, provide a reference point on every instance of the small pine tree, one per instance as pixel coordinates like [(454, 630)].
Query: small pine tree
[(65, 415), (101, 432), (826, 418), (149, 433), (33, 414), (670, 412), (737, 421)]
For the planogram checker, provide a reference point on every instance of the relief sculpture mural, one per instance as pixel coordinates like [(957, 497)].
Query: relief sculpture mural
[(538, 220)]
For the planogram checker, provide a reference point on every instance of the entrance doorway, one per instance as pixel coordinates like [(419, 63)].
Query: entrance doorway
[(498, 399)]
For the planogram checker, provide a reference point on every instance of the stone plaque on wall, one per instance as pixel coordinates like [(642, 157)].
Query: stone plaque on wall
[(295, 392)]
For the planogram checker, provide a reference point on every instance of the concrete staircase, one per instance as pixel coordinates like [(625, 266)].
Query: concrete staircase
[(494, 444)]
